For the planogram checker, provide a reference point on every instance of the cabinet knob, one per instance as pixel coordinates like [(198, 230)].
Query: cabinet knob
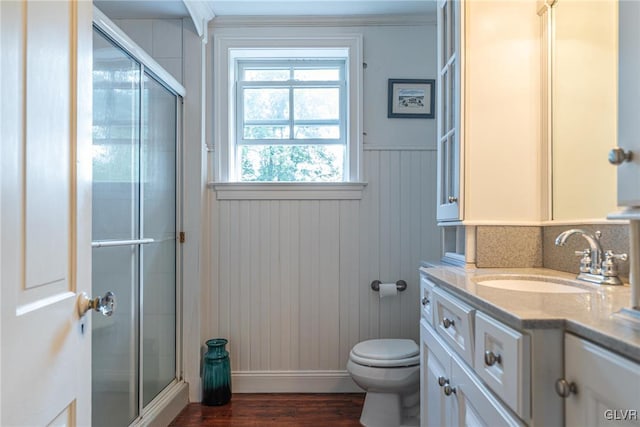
[(447, 323), (425, 301), (490, 358), (452, 199), (564, 388), (448, 390), (617, 156), (442, 381)]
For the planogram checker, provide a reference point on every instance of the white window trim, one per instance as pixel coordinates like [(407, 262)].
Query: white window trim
[(223, 119)]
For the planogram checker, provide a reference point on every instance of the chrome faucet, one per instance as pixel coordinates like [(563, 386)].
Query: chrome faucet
[(596, 266)]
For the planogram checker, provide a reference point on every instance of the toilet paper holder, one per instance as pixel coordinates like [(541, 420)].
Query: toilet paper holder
[(401, 285)]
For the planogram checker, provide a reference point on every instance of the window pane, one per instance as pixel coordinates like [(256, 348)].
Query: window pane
[(316, 103), (291, 163), (317, 75), (266, 75), (266, 132), (266, 104), (316, 132)]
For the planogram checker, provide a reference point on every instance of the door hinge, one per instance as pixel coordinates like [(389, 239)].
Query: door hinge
[(182, 237)]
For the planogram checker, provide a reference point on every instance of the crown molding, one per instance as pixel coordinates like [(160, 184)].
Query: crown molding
[(201, 13)]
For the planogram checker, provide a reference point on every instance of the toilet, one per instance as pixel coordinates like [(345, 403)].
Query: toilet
[(389, 371)]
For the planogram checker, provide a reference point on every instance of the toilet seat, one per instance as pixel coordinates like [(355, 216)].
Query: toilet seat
[(386, 353)]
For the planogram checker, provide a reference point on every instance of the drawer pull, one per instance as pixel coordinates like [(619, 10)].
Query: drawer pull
[(447, 323), (490, 358), (565, 389), (425, 301), (448, 390), (442, 381)]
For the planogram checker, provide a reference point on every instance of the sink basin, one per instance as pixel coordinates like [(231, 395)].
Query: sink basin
[(539, 285)]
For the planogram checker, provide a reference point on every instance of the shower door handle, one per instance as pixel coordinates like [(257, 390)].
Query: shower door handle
[(105, 305)]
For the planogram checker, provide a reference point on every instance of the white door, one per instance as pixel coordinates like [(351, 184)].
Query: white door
[(45, 227)]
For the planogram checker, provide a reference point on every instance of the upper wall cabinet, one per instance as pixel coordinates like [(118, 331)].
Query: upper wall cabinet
[(628, 155), (448, 122), (582, 77), (489, 149)]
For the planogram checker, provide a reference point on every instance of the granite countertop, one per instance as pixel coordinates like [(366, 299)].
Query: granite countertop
[(588, 314)]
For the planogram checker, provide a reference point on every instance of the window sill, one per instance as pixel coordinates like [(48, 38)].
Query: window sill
[(288, 190)]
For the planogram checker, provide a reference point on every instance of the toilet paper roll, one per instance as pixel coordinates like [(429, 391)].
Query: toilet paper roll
[(388, 290)]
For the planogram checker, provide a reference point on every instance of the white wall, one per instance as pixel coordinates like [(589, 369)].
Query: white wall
[(290, 285)]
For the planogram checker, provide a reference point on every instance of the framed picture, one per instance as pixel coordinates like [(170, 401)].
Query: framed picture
[(411, 98)]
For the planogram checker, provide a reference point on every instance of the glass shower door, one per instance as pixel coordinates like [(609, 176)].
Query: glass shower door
[(135, 135), (158, 222), (116, 206)]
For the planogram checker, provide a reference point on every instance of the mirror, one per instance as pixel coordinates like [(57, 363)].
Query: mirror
[(583, 78)]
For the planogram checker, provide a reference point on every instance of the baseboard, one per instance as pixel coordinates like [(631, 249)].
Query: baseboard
[(162, 410), (293, 382)]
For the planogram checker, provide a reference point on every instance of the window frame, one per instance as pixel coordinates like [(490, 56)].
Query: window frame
[(229, 44)]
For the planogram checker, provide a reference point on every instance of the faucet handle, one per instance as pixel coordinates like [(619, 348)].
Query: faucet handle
[(609, 267), (620, 257), (585, 261)]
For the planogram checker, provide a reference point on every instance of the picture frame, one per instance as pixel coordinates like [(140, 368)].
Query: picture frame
[(411, 98)]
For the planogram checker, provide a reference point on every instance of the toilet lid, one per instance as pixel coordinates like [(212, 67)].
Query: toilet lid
[(386, 353)]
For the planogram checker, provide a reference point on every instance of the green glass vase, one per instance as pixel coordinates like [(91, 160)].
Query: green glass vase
[(216, 374)]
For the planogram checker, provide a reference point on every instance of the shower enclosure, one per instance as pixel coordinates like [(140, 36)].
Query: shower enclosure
[(135, 254)]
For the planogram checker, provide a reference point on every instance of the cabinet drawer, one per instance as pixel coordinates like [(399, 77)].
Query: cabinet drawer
[(426, 298), (453, 320), (502, 361)]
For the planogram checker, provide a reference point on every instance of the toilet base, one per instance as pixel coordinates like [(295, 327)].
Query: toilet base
[(387, 410)]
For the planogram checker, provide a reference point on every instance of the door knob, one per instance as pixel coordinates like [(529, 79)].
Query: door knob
[(617, 156), (104, 305)]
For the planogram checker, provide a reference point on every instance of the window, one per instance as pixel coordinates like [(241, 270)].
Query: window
[(291, 122), (287, 110)]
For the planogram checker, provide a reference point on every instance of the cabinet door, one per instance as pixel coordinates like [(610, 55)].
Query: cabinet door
[(629, 102), (607, 386), (448, 115), (437, 409), (476, 405)]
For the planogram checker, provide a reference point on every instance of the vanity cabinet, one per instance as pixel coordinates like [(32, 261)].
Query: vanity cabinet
[(476, 370), (488, 121), (601, 387), (457, 387), (454, 396)]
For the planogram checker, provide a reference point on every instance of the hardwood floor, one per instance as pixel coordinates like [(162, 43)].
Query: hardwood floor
[(276, 410)]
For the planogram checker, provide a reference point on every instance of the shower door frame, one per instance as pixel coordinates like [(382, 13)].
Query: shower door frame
[(148, 65)]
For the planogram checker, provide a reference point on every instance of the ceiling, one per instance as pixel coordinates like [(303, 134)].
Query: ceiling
[(139, 9)]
